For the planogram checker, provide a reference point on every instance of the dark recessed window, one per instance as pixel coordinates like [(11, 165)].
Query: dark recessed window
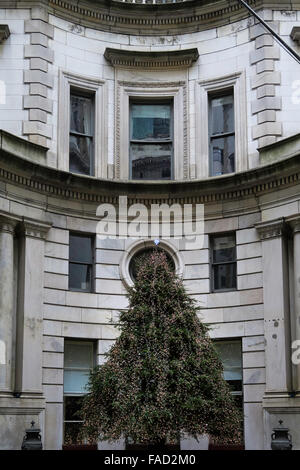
[(221, 133), (151, 141), (78, 362), (223, 262), (81, 147), (81, 262), (142, 257), (231, 356)]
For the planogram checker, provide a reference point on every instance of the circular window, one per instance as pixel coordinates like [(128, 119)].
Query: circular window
[(141, 257), (139, 250)]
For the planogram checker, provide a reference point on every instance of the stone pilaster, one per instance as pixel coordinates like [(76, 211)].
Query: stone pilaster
[(295, 226), (30, 308), (276, 307), (38, 77), (264, 81), (7, 320)]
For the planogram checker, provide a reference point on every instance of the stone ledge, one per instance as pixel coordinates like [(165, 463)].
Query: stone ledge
[(4, 32), (166, 59), (19, 147), (16, 169), (282, 149)]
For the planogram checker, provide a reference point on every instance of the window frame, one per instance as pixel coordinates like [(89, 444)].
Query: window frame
[(92, 237), (214, 85), (93, 347), (212, 263), (91, 86), (144, 101), (156, 91), (91, 96), (210, 97)]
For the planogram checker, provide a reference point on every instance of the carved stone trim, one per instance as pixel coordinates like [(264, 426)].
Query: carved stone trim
[(4, 32), (139, 89), (165, 59), (144, 18), (294, 223), (272, 229), (63, 185), (32, 229), (7, 224)]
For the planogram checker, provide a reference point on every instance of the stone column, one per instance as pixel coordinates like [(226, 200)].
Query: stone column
[(295, 225), (30, 308), (7, 316), (276, 307)]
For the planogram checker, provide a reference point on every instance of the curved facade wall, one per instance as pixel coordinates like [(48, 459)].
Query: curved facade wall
[(151, 54)]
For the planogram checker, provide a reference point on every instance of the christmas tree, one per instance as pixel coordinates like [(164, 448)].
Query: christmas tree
[(162, 377)]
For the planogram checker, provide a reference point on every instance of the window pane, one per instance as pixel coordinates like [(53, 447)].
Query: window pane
[(224, 276), (231, 357), (78, 355), (222, 119), (222, 154), (72, 408), (75, 381), (80, 276), (151, 161), (81, 114), (150, 121), (81, 249), (80, 153), (224, 249)]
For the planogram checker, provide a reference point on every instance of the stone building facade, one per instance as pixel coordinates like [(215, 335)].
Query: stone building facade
[(189, 66)]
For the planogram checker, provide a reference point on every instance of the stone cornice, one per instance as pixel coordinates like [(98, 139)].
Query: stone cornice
[(272, 229), (167, 59), (294, 223), (149, 18), (4, 32), (64, 185)]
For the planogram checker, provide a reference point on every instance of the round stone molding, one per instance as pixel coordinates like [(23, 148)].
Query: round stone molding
[(140, 245)]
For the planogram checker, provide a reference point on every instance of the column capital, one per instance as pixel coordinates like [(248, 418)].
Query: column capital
[(294, 223), (272, 229), (7, 224), (34, 229)]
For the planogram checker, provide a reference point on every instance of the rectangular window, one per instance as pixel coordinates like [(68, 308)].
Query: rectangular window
[(81, 141), (231, 356), (230, 352), (78, 361), (221, 134), (223, 262), (151, 141), (81, 261)]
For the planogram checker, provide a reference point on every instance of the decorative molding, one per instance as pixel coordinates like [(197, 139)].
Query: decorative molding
[(294, 223), (69, 186), (177, 90), (272, 229), (97, 87), (143, 18), (7, 224), (4, 32), (32, 229), (140, 245), (165, 59), (237, 82)]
